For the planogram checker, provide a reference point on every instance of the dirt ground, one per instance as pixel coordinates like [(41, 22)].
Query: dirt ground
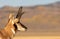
[(37, 37)]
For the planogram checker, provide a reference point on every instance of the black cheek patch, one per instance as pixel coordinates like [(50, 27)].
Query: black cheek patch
[(15, 27)]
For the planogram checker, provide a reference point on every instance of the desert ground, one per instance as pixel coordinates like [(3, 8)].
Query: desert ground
[(37, 37)]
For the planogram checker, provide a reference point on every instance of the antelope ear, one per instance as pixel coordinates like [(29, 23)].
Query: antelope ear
[(11, 16)]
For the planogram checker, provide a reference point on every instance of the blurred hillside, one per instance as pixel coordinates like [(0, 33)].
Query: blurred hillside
[(39, 18)]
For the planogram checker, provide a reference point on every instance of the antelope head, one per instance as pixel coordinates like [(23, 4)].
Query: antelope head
[(16, 21)]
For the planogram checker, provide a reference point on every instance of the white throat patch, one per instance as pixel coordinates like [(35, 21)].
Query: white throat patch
[(12, 22), (0, 37), (13, 31)]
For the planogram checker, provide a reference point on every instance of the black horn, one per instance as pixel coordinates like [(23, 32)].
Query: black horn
[(20, 13)]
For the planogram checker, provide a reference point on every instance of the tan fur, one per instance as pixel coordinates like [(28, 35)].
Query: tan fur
[(7, 33)]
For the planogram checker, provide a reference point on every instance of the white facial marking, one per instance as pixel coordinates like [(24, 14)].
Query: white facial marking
[(0, 38), (20, 28), (12, 22), (13, 31)]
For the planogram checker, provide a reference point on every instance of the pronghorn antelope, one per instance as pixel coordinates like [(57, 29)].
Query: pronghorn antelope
[(12, 26)]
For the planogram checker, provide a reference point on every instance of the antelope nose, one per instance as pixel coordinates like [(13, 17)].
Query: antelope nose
[(24, 29)]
